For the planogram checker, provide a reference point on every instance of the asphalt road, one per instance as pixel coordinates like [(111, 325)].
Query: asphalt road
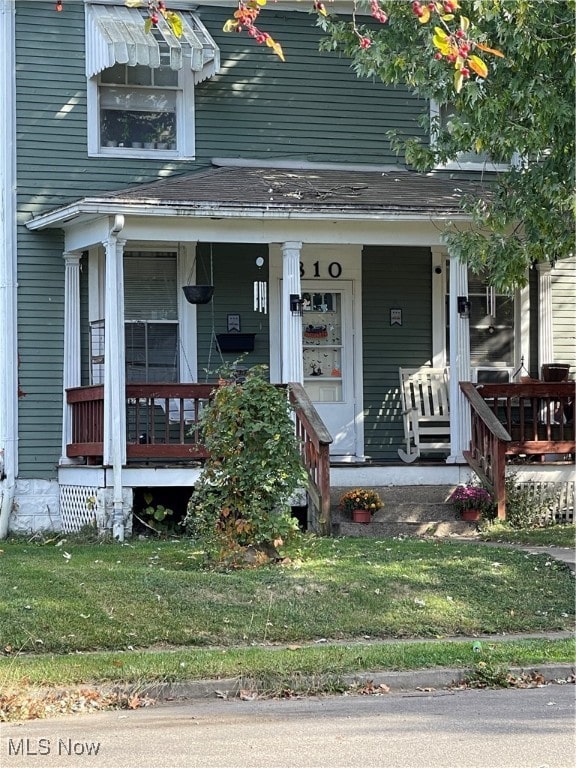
[(531, 728)]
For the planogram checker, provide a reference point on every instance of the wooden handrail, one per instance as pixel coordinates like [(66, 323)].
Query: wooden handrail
[(315, 443), (487, 454), (508, 420)]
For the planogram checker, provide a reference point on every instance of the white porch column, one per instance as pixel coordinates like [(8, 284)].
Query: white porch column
[(292, 366), (545, 324), (459, 363), (438, 307), (71, 365), (114, 371)]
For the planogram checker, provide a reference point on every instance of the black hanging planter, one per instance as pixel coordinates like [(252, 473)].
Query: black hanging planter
[(198, 294)]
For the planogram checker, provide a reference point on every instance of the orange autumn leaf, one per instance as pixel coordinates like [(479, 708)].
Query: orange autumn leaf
[(476, 63), (490, 50), (424, 18), (276, 47)]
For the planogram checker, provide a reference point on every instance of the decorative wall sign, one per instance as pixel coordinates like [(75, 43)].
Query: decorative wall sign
[(395, 317), (233, 323)]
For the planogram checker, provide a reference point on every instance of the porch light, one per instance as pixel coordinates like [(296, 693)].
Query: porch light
[(296, 303), (463, 306)]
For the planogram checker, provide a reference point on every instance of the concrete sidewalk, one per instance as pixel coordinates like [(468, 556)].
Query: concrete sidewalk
[(564, 554)]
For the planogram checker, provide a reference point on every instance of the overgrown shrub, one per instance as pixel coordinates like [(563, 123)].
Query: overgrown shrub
[(528, 505), (241, 499)]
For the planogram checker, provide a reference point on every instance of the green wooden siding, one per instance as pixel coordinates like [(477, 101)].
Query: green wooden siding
[(392, 278), (306, 109), (234, 269)]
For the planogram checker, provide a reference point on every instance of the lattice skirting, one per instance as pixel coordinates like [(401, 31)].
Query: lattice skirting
[(77, 506), (562, 510)]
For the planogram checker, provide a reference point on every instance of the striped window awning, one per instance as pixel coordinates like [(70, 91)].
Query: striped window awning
[(115, 35)]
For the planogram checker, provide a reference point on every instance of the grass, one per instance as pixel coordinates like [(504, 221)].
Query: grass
[(147, 611), (277, 666), (551, 536), (78, 597)]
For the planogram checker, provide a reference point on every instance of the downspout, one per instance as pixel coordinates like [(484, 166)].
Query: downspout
[(114, 384), (8, 285)]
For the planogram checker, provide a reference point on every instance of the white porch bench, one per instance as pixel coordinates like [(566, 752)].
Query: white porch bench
[(424, 393)]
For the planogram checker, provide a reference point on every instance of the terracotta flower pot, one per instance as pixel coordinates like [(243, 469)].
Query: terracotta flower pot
[(361, 515), (471, 515)]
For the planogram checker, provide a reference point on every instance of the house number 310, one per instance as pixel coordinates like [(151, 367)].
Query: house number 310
[(334, 269)]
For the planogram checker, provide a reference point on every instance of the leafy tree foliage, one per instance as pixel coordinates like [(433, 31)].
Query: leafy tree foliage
[(522, 113)]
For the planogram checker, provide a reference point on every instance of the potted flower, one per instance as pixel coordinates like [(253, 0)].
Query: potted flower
[(361, 503), (471, 501)]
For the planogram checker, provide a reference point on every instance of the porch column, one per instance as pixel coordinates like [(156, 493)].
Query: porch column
[(71, 364), (114, 371), (438, 307), (291, 342), (459, 363), (545, 325)]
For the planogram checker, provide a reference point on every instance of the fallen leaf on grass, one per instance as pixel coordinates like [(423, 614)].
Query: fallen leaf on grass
[(248, 695), (369, 689)]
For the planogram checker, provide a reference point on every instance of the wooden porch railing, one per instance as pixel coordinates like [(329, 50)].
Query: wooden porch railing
[(87, 422), (163, 424), (314, 441), (509, 420)]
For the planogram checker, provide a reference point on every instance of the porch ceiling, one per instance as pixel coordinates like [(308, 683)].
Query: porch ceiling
[(267, 192)]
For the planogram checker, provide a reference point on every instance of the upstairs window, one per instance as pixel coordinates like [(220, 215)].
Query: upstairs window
[(141, 84), (141, 109), (469, 159)]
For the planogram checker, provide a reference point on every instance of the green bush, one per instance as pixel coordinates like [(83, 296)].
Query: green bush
[(527, 504), (242, 497)]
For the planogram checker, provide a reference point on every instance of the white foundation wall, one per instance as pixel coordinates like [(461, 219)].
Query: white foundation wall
[(36, 507)]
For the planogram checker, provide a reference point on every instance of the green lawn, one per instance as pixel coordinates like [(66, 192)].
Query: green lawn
[(147, 611), (79, 597)]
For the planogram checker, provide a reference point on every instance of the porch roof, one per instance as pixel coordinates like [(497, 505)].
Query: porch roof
[(286, 192)]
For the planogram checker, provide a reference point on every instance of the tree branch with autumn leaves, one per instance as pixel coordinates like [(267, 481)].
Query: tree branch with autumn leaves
[(453, 36)]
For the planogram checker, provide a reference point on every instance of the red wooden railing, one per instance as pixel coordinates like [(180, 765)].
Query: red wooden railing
[(534, 419), (314, 441), (163, 424), (87, 422)]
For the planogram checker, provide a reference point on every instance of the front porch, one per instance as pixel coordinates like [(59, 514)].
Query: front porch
[(529, 425)]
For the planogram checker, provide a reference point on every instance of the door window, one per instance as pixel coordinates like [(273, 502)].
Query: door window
[(322, 346)]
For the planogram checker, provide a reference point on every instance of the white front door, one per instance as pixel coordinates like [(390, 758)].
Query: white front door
[(327, 342)]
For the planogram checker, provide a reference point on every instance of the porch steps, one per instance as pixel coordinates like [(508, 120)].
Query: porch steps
[(418, 510)]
